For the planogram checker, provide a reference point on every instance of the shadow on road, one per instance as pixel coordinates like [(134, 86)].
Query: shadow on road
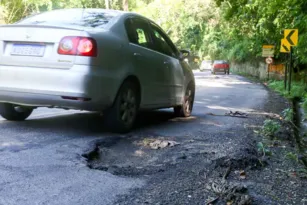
[(88, 122)]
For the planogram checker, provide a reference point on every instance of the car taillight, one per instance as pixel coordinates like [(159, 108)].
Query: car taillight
[(81, 46)]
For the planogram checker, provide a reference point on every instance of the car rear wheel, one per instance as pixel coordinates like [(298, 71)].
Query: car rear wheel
[(186, 108), (120, 118), (14, 113)]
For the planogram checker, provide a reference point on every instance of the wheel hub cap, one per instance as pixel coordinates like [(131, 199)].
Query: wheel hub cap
[(128, 107)]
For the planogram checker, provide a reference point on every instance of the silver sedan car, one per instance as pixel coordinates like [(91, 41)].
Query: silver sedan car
[(100, 60)]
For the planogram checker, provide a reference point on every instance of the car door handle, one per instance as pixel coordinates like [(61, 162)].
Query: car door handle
[(137, 54)]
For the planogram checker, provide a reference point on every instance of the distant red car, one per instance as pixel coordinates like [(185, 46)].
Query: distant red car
[(220, 66)]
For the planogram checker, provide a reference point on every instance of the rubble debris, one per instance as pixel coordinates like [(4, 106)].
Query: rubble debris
[(158, 143), (236, 114), (231, 114), (211, 201), (242, 174), (229, 192)]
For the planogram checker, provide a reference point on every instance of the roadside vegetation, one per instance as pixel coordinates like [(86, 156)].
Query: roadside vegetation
[(289, 115), (298, 91)]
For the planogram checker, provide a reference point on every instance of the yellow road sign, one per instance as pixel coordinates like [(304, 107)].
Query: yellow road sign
[(268, 46), (291, 35), (285, 46)]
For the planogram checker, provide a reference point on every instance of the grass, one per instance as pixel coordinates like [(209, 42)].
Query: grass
[(288, 114), (304, 105), (298, 90), (270, 128)]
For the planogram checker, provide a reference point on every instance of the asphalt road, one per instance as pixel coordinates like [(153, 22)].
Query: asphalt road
[(41, 159)]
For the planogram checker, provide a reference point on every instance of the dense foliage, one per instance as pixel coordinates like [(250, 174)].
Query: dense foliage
[(230, 29)]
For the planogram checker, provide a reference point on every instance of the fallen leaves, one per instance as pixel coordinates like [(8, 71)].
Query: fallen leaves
[(211, 200), (231, 114), (241, 173), (158, 143), (236, 114)]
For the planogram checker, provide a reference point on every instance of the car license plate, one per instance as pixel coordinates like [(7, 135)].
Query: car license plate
[(28, 50)]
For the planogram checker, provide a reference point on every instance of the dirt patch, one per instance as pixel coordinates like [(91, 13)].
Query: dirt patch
[(182, 171)]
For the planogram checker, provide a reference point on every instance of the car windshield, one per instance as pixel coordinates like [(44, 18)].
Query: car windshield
[(220, 62), (206, 62), (72, 17)]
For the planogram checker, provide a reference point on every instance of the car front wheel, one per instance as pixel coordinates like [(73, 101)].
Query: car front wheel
[(186, 108), (14, 113)]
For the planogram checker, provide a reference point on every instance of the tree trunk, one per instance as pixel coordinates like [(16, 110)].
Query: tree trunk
[(107, 3), (125, 5)]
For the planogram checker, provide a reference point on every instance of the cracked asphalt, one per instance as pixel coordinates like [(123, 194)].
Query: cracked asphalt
[(41, 159)]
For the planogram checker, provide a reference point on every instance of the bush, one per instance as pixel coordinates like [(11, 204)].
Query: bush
[(304, 104), (298, 89), (269, 128)]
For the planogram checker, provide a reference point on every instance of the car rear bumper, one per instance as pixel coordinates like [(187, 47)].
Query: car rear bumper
[(80, 87), (51, 101), (220, 69)]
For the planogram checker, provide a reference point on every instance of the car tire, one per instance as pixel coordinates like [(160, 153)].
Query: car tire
[(121, 117), (186, 108), (9, 112)]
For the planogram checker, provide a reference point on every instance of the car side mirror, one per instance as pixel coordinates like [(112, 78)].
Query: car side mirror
[(184, 54)]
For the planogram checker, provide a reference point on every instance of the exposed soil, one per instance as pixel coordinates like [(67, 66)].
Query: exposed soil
[(205, 167)]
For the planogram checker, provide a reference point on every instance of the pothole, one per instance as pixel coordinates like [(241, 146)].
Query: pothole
[(135, 156)]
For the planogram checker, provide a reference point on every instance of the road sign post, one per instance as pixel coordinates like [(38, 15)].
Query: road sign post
[(290, 72), (269, 71), (286, 75), (268, 61), (286, 46)]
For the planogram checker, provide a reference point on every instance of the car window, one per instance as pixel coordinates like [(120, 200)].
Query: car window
[(220, 62), (141, 36), (161, 43), (91, 18), (206, 62), (138, 32)]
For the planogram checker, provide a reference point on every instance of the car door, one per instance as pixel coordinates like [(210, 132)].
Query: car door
[(170, 67), (145, 61)]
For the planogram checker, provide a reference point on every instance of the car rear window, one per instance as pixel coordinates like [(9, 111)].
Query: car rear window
[(220, 62), (72, 17)]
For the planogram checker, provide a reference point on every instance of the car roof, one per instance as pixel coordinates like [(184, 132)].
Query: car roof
[(91, 9), (220, 61), (119, 16)]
